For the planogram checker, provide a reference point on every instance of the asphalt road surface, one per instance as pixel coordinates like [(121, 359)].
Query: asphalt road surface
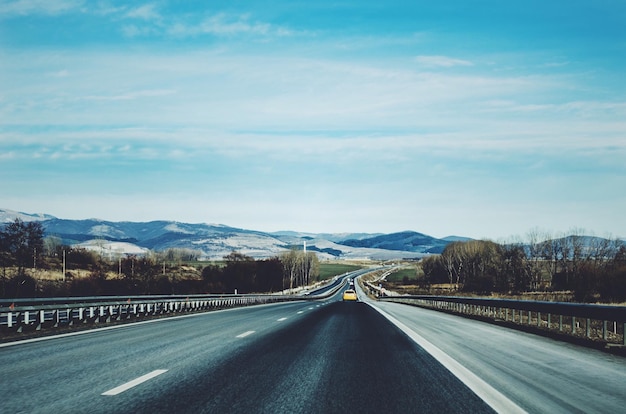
[(305, 357)]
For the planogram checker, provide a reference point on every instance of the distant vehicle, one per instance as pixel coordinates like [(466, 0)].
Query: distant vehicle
[(351, 282), (349, 295)]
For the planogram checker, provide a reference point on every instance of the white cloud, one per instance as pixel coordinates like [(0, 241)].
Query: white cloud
[(223, 24), (145, 12), (442, 61), (131, 95), (45, 7)]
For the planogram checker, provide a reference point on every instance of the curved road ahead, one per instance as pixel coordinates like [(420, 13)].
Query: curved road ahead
[(311, 357)]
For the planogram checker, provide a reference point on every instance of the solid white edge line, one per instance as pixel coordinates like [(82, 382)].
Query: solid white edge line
[(135, 382), (243, 335), (484, 391)]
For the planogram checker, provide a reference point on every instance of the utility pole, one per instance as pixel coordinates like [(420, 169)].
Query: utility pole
[(63, 265)]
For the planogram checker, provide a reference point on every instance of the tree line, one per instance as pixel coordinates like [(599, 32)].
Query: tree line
[(23, 247), (592, 268)]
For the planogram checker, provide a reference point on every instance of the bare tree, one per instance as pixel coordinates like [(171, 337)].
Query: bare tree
[(290, 265), (299, 268), (538, 246)]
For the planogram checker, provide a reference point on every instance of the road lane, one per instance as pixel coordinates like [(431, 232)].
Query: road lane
[(342, 357), (539, 374), (68, 374)]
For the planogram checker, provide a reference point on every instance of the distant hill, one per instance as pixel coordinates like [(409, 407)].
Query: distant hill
[(405, 241), (215, 241)]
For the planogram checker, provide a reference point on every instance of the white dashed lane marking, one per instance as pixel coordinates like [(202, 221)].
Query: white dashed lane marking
[(135, 382), (243, 335), (281, 319)]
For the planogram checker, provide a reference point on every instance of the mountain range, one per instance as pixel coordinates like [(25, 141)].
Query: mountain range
[(214, 241)]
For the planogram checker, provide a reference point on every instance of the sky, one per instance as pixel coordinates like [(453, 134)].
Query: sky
[(485, 119)]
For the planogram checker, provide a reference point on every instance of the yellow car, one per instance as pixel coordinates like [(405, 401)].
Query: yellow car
[(349, 294)]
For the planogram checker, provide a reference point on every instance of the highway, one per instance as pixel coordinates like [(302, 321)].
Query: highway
[(322, 356)]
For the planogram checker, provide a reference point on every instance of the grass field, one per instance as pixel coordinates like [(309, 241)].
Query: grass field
[(330, 270), (398, 277)]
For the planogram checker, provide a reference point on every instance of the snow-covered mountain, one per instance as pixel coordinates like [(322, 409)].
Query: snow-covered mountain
[(7, 216), (215, 241)]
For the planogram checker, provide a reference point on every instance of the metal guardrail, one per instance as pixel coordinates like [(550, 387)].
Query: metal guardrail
[(590, 321), (17, 315), (40, 313)]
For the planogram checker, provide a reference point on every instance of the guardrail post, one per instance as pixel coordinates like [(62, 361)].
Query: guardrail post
[(604, 330), (41, 315), (18, 322), (624, 334), (588, 328), (573, 324)]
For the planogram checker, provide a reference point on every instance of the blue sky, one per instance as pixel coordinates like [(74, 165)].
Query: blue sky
[(482, 119)]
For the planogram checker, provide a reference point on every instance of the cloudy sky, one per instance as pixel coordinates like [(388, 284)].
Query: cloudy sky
[(482, 119)]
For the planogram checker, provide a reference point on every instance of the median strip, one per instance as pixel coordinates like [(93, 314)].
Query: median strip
[(135, 382)]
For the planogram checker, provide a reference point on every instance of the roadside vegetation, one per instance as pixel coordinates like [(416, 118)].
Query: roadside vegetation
[(573, 268), (34, 266)]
